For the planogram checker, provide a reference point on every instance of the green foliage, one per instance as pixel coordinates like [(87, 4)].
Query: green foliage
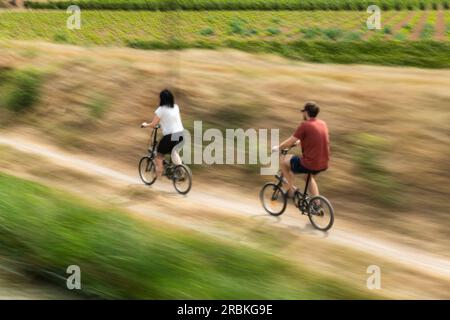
[(237, 26), (145, 30), (400, 37), (407, 27), (387, 30), (352, 36), (125, 258), (427, 31), (311, 33), (19, 89), (207, 31), (333, 33), (165, 5), (424, 54), (273, 31)]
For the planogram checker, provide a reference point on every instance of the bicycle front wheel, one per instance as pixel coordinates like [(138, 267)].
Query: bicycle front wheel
[(273, 199), (147, 171), (182, 179), (321, 213)]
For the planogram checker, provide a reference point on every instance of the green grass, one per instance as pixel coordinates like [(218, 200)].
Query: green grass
[(301, 35), (121, 257), (424, 54)]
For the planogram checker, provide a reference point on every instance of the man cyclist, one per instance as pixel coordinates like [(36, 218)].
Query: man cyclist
[(168, 116), (312, 133)]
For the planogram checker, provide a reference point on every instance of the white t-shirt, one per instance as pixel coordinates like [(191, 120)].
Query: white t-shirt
[(170, 119)]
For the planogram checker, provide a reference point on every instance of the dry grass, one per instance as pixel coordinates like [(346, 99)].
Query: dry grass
[(405, 107)]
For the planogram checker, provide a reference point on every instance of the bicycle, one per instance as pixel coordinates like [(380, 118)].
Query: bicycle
[(317, 208), (180, 175)]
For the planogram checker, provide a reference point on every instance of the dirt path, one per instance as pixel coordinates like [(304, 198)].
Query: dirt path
[(238, 205), (415, 35)]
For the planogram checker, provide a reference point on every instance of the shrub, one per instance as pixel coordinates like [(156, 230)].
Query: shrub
[(387, 30), (311, 33), (332, 33), (237, 26), (21, 89), (273, 31), (352, 36), (407, 27), (427, 31), (207, 31)]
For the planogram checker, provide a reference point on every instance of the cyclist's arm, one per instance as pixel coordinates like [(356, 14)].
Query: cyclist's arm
[(154, 122), (289, 142)]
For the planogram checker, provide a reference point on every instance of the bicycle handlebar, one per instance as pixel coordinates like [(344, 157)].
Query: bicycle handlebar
[(285, 151), (156, 127)]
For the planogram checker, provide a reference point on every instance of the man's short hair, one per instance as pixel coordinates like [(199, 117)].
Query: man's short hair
[(312, 109)]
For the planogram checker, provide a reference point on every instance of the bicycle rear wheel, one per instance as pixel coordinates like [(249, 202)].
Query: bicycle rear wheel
[(273, 199), (321, 213), (182, 179), (147, 171)]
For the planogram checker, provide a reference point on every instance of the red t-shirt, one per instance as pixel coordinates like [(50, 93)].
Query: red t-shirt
[(313, 135)]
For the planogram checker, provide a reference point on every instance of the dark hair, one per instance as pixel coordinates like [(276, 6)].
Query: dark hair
[(312, 109), (166, 98)]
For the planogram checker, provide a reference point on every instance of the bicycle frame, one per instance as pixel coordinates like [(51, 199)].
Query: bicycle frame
[(153, 142), (308, 179)]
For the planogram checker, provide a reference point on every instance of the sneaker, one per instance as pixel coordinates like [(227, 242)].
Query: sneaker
[(317, 209)]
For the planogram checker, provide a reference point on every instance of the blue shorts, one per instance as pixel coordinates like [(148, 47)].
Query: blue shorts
[(297, 167)]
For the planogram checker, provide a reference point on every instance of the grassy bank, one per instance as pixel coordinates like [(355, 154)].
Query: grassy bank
[(423, 54), (121, 257)]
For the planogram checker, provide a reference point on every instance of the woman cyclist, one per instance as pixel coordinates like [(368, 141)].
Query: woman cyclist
[(167, 115)]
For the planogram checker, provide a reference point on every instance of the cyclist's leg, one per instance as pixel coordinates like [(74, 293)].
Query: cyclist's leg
[(159, 164), (176, 159), (287, 173), (162, 149), (312, 187)]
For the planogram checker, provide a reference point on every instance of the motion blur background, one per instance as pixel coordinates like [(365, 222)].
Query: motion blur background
[(71, 102)]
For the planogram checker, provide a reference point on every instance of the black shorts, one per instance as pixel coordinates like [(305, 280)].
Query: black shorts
[(297, 167), (168, 142)]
